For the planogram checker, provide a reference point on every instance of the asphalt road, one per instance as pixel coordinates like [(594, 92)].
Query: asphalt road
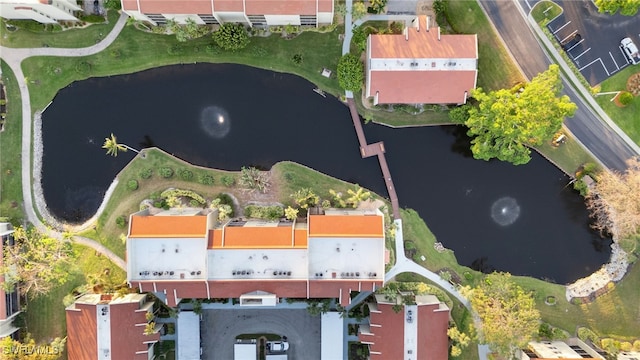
[(598, 55), (598, 137)]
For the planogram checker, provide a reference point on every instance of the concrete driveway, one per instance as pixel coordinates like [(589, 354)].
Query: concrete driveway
[(220, 328), (598, 55)]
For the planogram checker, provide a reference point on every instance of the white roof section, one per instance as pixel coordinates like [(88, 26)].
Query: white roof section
[(166, 258), (346, 258), (276, 357), (562, 350), (245, 351), (332, 333), (180, 212), (188, 336), (257, 264)]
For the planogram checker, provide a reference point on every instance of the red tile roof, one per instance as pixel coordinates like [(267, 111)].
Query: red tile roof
[(82, 339), (168, 226), (388, 339), (257, 237), (421, 87), (423, 44), (346, 226)]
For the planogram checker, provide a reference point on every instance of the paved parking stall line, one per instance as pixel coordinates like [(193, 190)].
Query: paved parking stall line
[(561, 27), (527, 2), (578, 43), (614, 60), (568, 37), (584, 52), (594, 61)]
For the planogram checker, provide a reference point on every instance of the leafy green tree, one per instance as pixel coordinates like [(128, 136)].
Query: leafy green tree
[(459, 114), (358, 10), (338, 201), (626, 7), (378, 5), (508, 121), (112, 4), (508, 313), (16, 350), (350, 72), (291, 213), (357, 196), (231, 37), (36, 263), (459, 341), (187, 31), (305, 198), (113, 147)]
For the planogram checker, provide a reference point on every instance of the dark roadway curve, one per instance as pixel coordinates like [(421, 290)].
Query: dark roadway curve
[(597, 136)]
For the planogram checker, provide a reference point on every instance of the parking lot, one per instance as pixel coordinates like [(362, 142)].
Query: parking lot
[(592, 40), (220, 328)]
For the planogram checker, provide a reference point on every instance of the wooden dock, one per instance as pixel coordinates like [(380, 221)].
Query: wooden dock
[(375, 149)]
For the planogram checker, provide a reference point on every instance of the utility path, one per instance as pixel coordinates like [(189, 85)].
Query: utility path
[(13, 58)]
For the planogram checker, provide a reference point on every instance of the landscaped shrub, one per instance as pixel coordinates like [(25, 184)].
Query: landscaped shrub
[(440, 8), (194, 203), (350, 72), (459, 114), (175, 50), (132, 184), (145, 173), (185, 174), (121, 221), (206, 179), (176, 193), (83, 67), (264, 212), (231, 36), (297, 59), (625, 98), (166, 172), (112, 4), (228, 180), (225, 199)]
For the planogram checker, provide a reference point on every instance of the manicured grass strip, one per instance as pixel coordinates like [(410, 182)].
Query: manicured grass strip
[(496, 69), (135, 50), (10, 150), (399, 118), (614, 314), (568, 156), (627, 118), (545, 11), (71, 38)]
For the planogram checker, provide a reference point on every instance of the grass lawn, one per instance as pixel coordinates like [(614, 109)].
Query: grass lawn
[(71, 38), (569, 156), (496, 69), (399, 118), (615, 314), (627, 117), (10, 150), (135, 50), (45, 316), (545, 11)]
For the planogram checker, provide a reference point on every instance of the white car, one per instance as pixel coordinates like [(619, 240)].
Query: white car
[(277, 346), (630, 50)]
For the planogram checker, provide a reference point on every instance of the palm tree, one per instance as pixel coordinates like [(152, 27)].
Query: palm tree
[(357, 196), (112, 146)]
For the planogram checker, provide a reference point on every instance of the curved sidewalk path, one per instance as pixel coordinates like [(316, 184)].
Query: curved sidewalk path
[(14, 57)]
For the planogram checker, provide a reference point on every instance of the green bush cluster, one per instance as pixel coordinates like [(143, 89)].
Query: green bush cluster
[(228, 180), (145, 173), (132, 184), (166, 172), (186, 175), (206, 179), (170, 193), (121, 221), (264, 212), (83, 67), (92, 18), (625, 98), (350, 72), (231, 37)]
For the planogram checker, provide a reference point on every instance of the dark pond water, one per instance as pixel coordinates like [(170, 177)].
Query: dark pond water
[(522, 219)]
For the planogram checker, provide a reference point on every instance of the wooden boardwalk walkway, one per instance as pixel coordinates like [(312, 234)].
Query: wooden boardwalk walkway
[(375, 149)]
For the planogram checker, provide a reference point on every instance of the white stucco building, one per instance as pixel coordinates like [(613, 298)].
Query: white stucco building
[(43, 11)]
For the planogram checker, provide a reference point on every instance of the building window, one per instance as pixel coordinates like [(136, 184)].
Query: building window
[(157, 18), (208, 19), (257, 20), (308, 20)]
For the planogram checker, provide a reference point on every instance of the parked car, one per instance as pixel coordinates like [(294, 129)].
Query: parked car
[(277, 346), (630, 50), (409, 316)]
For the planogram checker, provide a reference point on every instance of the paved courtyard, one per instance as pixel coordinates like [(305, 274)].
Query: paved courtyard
[(220, 328)]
